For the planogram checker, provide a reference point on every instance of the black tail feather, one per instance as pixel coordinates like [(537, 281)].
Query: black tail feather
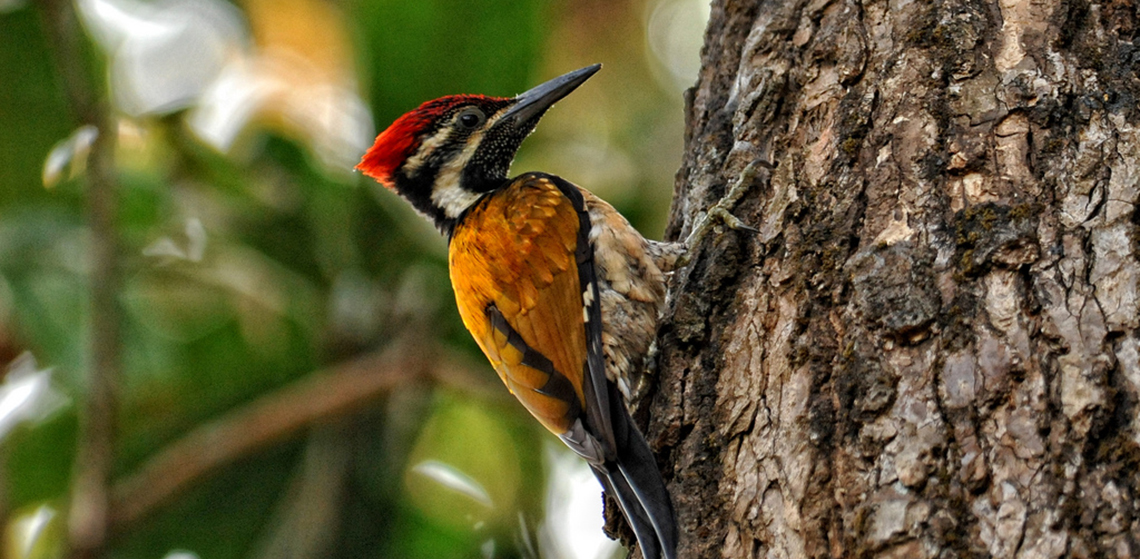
[(635, 481), (615, 484), (649, 497)]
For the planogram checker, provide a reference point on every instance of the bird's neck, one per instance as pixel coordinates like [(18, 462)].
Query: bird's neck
[(448, 199)]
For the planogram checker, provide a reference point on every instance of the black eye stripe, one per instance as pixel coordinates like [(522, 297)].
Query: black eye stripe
[(444, 153)]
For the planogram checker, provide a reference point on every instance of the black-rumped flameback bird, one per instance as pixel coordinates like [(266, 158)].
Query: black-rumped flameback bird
[(556, 287)]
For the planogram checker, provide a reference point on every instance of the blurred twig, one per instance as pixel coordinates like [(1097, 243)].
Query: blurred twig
[(320, 396), (317, 397), (88, 517)]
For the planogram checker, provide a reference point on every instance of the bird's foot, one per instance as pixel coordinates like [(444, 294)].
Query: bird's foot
[(721, 212)]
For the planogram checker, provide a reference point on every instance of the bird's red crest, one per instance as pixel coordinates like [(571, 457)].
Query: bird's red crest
[(401, 140)]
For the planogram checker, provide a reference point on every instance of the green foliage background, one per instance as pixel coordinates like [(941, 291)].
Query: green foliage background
[(304, 268)]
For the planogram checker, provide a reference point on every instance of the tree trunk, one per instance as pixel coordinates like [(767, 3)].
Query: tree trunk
[(930, 346)]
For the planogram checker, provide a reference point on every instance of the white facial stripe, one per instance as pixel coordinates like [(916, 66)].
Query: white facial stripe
[(413, 164), (447, 193)]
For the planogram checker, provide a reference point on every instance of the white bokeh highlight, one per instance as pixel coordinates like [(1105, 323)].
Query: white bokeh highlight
[(573, 527), (27, 394)]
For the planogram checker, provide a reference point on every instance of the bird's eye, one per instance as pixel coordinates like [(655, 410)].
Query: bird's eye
[(470, 117)]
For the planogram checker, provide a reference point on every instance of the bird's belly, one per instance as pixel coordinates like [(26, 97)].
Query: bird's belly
[(632, 291)]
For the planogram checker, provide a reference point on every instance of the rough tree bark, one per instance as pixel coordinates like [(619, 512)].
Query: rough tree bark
[(930, 347)]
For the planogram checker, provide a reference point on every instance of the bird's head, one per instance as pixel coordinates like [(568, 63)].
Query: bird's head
[(443, 156)]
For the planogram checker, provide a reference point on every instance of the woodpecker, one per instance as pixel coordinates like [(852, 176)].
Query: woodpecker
[(556, 287)]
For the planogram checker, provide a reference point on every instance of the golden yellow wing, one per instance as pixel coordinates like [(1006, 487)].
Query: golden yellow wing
[(513, 267)]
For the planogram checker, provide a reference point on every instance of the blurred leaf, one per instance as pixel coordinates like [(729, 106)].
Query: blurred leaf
[(42, 259), (34, 114), (37, 532), (69, 156), (223, 516), (415, 51), (27, 394), (39, 461), (453, 478), (472, 454)]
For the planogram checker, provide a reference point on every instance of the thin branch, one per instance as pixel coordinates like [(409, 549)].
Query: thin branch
[(88, 516), (307, 516), (317, 397)]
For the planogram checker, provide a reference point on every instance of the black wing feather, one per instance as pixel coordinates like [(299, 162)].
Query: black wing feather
[(594, 388)]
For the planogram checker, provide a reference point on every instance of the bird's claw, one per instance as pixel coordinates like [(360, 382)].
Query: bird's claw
[(721, 211), (729, 220)]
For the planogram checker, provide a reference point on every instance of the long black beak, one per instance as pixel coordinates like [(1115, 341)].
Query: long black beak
[(535, 101)]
